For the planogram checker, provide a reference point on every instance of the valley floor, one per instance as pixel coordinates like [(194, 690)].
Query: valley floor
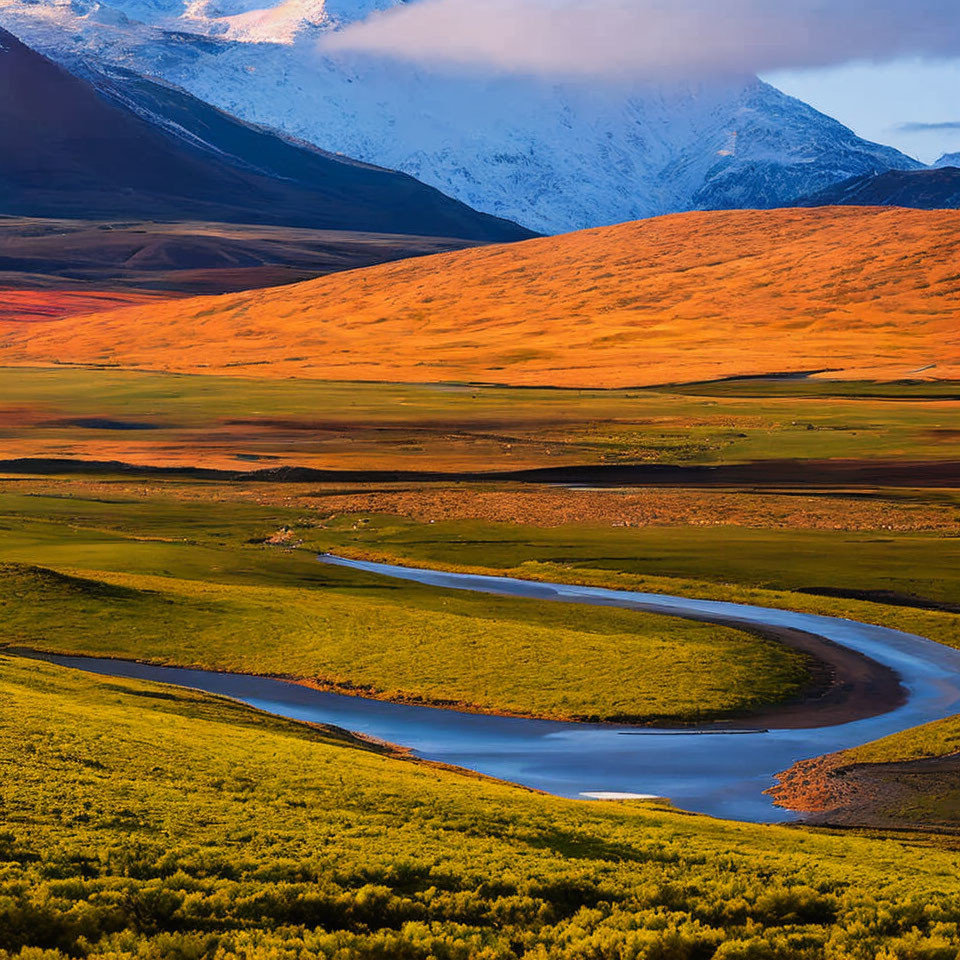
[(136, 572), (150, 822)]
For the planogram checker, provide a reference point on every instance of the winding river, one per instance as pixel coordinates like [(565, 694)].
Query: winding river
[(719, 771)]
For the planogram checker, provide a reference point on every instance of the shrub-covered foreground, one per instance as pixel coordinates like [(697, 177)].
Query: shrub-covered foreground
[(142, 821)]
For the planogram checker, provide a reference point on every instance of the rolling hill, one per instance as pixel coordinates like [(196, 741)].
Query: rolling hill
[(854, 292), (121, 146)]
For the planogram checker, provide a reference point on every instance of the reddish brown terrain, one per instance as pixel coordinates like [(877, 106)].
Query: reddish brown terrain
[(921, 793), (33, 306)]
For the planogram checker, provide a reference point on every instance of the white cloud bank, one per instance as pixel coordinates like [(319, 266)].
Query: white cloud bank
[(652, 37)]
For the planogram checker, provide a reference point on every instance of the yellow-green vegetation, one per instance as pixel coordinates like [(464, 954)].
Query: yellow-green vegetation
[(919, 567), (938, 739), (201, 585), (152, 823)]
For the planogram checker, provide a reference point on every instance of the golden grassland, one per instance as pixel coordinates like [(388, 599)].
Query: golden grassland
[(861, 292), (153, 823)]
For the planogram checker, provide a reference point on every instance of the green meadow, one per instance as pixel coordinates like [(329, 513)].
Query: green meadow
[(921, 567), (197, 584), (906, 580), (147, 822)]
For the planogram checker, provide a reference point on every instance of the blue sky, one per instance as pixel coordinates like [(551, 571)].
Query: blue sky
[(912, 104)]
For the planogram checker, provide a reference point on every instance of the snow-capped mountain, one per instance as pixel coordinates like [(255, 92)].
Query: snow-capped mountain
[(949, 160), (551, 155)]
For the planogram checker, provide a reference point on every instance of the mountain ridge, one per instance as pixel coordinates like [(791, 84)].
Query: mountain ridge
[(935, 189)]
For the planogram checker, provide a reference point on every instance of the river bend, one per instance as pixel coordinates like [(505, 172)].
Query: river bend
[(719, 772)]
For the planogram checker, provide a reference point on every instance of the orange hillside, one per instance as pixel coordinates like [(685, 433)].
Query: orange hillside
[(863, 292)]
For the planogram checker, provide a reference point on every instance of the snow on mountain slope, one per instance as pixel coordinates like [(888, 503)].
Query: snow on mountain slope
[(279, 24), (554, 156), (949, 160)]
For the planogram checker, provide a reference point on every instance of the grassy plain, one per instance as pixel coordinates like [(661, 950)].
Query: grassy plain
[(891, 554), (866, 293), (199, 584), (152, 823), (904, 580), (899, 565), (234, 423)]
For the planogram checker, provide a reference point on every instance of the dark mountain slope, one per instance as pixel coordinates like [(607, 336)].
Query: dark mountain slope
[(936, 189), (128, 147)]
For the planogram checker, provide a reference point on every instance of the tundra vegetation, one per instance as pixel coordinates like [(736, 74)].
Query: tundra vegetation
[(150, 822), (237, 424)]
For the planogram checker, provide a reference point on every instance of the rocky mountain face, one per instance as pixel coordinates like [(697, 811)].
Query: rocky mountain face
[(551, 155)]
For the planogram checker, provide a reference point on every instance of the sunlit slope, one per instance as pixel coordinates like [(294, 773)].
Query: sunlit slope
[(860, 292)]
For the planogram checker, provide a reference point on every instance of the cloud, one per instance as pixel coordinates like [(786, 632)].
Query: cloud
[(631, 37), (915, 127)]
